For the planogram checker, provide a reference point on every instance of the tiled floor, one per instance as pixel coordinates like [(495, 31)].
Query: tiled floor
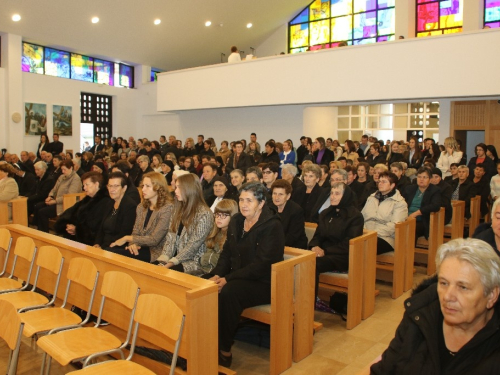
[(336, 350)]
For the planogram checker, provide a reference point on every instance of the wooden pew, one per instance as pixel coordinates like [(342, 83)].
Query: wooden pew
[(359, 282), (291, 312), (19, 209), (399, 263), (475, 215), (456, 228), (427, 254), (69, 200), (195, 296)]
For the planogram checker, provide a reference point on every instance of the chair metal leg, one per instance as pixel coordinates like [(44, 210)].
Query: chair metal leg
[(48, 365), (9, 361), (44, 359)]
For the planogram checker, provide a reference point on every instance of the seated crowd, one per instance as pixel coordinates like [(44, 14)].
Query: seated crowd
[(227, 213)]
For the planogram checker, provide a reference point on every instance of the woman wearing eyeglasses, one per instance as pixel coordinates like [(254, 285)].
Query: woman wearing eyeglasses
[(224, 211), (151, 224)]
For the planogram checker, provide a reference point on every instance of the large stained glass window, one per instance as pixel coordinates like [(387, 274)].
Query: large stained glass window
[(32, 59), (82, 68), (492, 13), (53, 62), (327, 23), (436, 17), (56, 63)]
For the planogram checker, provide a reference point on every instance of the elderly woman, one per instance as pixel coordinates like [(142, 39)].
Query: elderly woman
[(8, 186), (290, 213), (68, 183), (375, 157), (190, 224), (255, 241), (311, 174), (144, 167), (118, 214), (383, 210), (44, 184), (82, 221), (451, 323), (221, 190), (151, 224), (338, 224), (449, 156)]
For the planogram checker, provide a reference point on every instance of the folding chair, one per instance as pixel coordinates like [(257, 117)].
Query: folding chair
[(11, 329), (26, 249)]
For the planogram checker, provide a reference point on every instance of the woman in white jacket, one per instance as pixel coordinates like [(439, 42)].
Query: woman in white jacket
[(449, 156), (383, 210)]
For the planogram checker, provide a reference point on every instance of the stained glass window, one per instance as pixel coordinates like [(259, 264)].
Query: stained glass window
[(104, 72), (32, 59), (436, 17), (492, 13), (126, 76), (82, 68), (154, 75), (327, 23), (56, 63)]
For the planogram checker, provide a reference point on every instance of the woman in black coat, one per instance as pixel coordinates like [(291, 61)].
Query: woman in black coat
[(481, 158), (42, 146), (311, 174), (327, 154), (290, 213), (118, 216), (82, 221), (337, 225), (255, 241)]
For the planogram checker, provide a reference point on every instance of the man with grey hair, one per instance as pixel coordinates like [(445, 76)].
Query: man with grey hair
[(323, 202), (26, 164), (289, 173), (463, 189), (44, 184)]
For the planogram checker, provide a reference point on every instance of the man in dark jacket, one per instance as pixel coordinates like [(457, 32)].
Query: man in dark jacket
[(239, 160), (44, 185), (270, 154), (403, 181), (446, 192), (422, 199), (56, 147), (98, 146), (463, 189)]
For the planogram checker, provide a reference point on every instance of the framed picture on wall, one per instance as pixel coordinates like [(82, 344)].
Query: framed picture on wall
[(62, 119), (35, 118)]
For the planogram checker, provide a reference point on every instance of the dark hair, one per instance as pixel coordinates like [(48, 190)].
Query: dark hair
[(253, 134), (350, 146), (67, 163), (425, 170), (363, 164), (118, 175), (481, 165), (282, 184), (376, 146), (258, 190), (393, 179), (238, 143), (482, 145), (123, 166), (493, 151), (58, 157), (271, 144), (342, 158), (454, 165), (94, 177), (273, 167), (211, 165), (70, 154), (321, 141), (350, 168), (397, 165)]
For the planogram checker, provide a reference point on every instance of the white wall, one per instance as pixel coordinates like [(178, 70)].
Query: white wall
[(383, 71), (320, 122), (275, 44)]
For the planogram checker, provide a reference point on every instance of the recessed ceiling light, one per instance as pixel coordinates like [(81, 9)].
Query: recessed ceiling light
[(95, 19), (208, 23), (16, 17), (157, 21), (249, 25)]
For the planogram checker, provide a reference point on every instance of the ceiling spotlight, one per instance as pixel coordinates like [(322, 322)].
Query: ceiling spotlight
[(208, 23), (95, 19), (157, 21), (249, 25), (16, 17)]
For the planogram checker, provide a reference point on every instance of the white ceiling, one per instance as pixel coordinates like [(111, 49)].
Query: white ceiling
[(126, 32)]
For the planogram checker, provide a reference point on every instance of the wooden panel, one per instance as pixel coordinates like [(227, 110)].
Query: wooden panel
[(198, 298), (469, 115)]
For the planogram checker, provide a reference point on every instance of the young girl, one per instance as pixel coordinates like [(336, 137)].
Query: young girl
[(225, 209)]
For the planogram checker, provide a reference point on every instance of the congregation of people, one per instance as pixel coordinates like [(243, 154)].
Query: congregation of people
[(226, 213)]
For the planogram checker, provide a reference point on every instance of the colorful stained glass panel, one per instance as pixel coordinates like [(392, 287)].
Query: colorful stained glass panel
[(299, 35), (428, 17), (341, 7), (492, 10), (126, 76), (320, 32), (365, 25), (56, 63), (492, 24), (82, 68), (103, 72), (341, 28), (386, 23), (302, 17), (364, 5), (451, 13), (32, 58), (319, 10), (386, 3)]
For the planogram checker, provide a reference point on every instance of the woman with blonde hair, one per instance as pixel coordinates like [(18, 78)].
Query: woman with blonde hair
[(151, 224), (190, 224), (156, 163), (214, 243), (171, 156), (189, 149), (449, 156)]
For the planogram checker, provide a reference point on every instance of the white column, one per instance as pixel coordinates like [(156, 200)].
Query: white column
[(405, 18), (444, 119), (473, 14)]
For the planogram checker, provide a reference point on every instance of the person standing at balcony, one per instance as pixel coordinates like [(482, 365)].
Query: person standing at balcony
[(234, 57)]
